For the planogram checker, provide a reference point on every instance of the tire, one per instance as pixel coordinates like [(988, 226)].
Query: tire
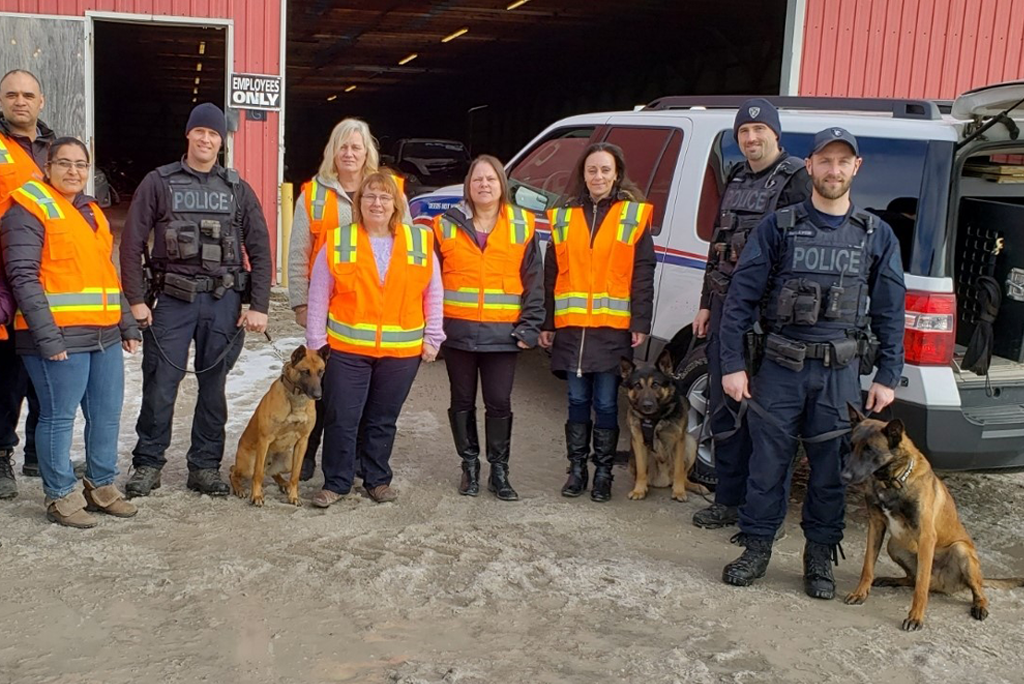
[(692, 382)]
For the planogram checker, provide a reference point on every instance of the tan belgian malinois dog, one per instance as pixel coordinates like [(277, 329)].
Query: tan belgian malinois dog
[(926, 537), (274, 441)]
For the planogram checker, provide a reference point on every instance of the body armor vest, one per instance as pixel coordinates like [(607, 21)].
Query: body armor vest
[(821, 281), (747, 200), (198, 235)]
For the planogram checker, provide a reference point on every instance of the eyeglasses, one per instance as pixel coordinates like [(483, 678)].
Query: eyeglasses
[(384, 199), (67, 165)]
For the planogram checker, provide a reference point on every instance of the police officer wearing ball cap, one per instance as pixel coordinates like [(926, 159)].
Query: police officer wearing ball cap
[(832, 273), (201, 216), (768, 179)]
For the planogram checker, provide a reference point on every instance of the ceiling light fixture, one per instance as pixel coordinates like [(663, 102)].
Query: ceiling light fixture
[(332, 98), (517, 3), (197, 80), (199, 66), (452, 36), (195, 91), (202, 47), (407, 59), (350, 89)]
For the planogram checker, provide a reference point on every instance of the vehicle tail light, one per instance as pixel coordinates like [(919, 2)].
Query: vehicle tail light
[(930, 328)]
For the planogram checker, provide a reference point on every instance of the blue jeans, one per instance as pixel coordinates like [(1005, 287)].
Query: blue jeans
[(599, 391), (94, 381)]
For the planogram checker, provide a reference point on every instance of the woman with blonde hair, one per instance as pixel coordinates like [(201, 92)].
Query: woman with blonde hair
[(325, 202), (375, 296)]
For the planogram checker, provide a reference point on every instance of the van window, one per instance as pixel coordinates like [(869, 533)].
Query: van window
[(651, 155), (540, 178), (888, 183)]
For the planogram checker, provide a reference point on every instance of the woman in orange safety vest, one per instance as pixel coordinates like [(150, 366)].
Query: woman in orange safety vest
[(70, 328), (493, 309), (599, 297), (375, 298)]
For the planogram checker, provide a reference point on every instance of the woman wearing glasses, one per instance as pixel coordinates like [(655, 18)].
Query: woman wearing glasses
[(375, 297), (70, 328)]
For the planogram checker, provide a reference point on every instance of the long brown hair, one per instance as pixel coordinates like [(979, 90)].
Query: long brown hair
[(622, 182), (385, 183), (499, 169)]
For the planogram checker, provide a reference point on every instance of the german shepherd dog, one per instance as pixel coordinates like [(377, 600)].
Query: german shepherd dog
[(274, 441), (926, 537), (663, 452)]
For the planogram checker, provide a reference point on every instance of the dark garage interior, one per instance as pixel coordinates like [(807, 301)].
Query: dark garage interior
[(515, 70)]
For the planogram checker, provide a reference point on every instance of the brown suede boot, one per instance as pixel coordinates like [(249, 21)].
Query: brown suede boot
[(70, 511), (109, 500)]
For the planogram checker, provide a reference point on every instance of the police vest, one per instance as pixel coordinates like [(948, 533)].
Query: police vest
[(595, 273), (75, 270), (822, 278), (484, 285), (747, 200), (199, 235), (17, 167), (369, 318), (321, 203)]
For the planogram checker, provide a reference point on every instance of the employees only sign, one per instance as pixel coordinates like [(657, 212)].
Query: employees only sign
[(256, 91)]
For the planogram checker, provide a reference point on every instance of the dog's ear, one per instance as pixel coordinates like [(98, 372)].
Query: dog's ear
[(894, 432), (324, 351), (626, 367), (299, 354), (856, 417), (665, 363)]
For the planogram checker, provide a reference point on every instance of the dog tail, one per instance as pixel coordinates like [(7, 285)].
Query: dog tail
[(1005, 583)]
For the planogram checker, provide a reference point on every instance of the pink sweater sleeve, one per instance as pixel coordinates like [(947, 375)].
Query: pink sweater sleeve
[(320, 284), (433, 309)]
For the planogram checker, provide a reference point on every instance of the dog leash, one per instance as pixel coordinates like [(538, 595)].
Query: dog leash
[(221, 357)]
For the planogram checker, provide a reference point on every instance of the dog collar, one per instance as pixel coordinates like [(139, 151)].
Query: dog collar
[(288, 385), (898, 481)]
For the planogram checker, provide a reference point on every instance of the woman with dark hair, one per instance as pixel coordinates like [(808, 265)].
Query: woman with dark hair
[(375, 298), (599, 300), (493, 309), (71, 325)]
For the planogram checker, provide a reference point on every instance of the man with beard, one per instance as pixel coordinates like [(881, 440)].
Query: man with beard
[(768, 179), (832, 273)]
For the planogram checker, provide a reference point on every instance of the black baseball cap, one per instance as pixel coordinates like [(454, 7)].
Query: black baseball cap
[(831, 135)]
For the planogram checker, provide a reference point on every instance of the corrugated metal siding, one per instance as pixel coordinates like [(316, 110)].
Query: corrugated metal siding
[(257, 50), (910, 48)]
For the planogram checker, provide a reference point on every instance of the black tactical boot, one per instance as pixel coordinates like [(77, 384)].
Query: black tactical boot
[(8, 485), (498, 433), (207, 481), (467, 444), (144, 480), (577, 444), (30, 468), (716, 515), (751, 565), (308, 469), (818, 580), (605, 443)]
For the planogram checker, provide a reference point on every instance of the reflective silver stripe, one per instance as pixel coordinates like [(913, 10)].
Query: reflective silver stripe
[(415, 251), (462, 297), (447, 230), (628, 221), (351, 333), (560, 228), (43, 198), (611, 304), (63, 301), (345, 247), (519, 228), (564, 304), (319, 201), (496, 298), (393, 336)]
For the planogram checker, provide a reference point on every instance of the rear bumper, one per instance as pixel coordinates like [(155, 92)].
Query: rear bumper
[(953, 442)]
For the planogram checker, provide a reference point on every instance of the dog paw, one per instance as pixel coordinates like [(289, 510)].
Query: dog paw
[(257, 500), (294, 499), (979, 612), (638, 494), (856, 598), (679, 494), (912, 624)]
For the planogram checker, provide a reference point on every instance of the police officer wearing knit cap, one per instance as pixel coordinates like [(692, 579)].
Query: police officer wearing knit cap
[(768, 179), (832, 273), (201, 216)]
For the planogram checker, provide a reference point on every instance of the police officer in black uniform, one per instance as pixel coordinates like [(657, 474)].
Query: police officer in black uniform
[(769, 179), (833, 275), (201, 216)]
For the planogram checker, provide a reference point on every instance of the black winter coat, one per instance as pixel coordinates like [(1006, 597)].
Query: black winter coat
[(475, 336), (21, 236), (598, 350)]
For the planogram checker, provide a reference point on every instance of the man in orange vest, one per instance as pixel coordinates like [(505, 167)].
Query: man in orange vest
[(24, 142)]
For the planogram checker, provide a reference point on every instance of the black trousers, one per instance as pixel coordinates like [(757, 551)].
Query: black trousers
[(495, 372), (14, 389), (362, 399), (211, 324)]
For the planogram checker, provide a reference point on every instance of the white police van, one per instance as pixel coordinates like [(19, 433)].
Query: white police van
[(948, 177)]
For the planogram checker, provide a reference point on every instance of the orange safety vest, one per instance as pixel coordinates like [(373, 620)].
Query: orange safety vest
[(75, 270), (322, 209), (370, 319), (595, 274), (17, 167), (485, 285)]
